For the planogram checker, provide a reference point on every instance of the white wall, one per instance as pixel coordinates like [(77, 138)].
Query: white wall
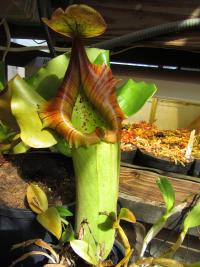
[(178, 96)]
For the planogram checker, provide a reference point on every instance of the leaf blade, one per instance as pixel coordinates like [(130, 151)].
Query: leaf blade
[(133, 95), (84, 250), (193, 217), (24, 105), (64, 212), (36, 198), (51, 221), (167, 192), (68, 234), (126, 215)]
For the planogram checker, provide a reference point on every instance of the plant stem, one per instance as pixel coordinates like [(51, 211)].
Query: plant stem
[(127, 247), (172, 250), (64, 221)]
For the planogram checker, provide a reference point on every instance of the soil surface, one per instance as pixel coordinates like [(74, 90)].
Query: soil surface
[(52, 172)]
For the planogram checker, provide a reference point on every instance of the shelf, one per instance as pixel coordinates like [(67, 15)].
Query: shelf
[(139, 192)]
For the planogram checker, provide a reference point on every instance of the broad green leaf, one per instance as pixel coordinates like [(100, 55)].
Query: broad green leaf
[(36, 198), (84, 250), (48, 78), (133, 95), (50, 220), (24, 106), (68, 234), (63, 212), (98, 56), (126, 215), (102, 58), (193, 218), (167, 192)]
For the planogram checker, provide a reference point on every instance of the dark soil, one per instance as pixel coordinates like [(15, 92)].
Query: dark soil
[(52, 172)]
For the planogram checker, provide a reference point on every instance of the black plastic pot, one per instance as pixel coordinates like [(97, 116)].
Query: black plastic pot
[(148, 160), (18, 225), (128, 156), (196, 168)]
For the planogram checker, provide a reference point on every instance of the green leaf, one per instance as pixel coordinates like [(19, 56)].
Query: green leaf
[(84, 250), (36, 198), (193, 218), (68, 234), (63, 212), (103, 58), (24, 106), (133, 95), (126, 215), (2, 75), (167, 192), (20, 148), (48, 78), (50, 220)]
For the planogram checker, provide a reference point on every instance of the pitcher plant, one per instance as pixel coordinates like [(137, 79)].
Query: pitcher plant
[(73, 106)]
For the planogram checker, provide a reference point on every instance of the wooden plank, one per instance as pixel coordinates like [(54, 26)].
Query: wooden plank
[(142, 184)]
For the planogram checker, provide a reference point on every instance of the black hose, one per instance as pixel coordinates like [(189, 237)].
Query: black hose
[(149, 33), (43, 12)]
